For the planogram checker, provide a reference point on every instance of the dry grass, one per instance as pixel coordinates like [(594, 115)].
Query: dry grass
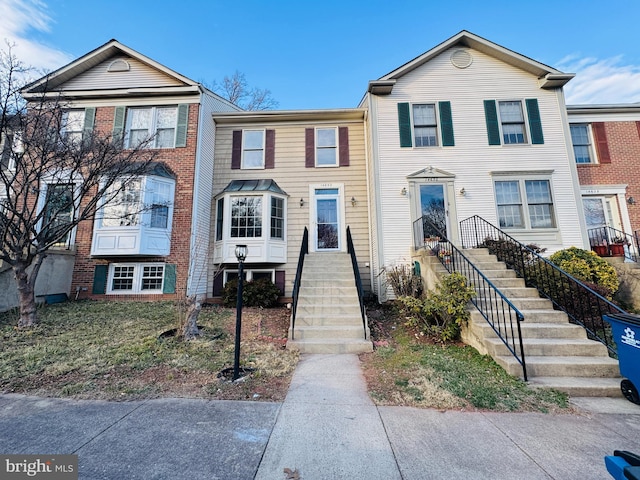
[(114, 351)]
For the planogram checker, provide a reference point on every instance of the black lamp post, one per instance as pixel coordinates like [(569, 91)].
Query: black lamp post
[(241, 254)]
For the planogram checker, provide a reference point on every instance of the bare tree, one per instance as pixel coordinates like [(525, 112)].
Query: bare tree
[(236, 89), (54, 177)]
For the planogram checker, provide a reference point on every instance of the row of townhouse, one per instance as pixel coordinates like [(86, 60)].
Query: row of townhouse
[(467, 128)]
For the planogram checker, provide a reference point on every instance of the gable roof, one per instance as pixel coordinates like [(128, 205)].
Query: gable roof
[(549, 77), (53, 83)]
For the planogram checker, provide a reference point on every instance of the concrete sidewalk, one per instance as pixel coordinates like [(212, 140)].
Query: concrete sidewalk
[(327, 428)]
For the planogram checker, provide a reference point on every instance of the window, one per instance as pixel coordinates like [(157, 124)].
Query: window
[(418, 124), (536, 202), (277, 217), (136, 278), (253, 149), (73, 126), (424, 125), (250, 275), (154, 124), (512, 121), (58, 212), (581, 139), (507, 123), (160, 196), (7, 149), (246, 217), (326, 147), (125, 208)]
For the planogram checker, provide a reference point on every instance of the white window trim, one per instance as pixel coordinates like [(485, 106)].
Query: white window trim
[(521, 178), (437, 125), (266, 216), (153, 129), (137, 279), (42, 200), (336, 148), (264, 140), (593, 151), (525, 122)]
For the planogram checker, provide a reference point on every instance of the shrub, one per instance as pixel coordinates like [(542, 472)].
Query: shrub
[(441, 313), (256, 293), (588, 267), (403, 281)]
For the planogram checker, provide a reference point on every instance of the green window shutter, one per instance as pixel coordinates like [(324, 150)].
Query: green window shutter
[(446, 124), (118, 123), (491, 117), (100, 279), (89, 122), (169, 279), (404, 123), (535, 125), (181, 127)]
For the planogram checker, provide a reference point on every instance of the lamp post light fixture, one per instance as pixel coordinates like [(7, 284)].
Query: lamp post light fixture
[(241, 255)]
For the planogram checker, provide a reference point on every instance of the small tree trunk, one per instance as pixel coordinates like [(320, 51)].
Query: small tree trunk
[(191, 330), (26, 296)]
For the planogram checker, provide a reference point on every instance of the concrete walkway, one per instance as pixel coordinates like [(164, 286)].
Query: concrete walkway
[(327, 428)]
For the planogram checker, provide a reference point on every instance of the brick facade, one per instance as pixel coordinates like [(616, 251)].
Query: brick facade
[(182, 162), (623, 140)]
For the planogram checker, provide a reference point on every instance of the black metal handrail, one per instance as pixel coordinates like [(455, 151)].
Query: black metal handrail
[(611, 242), (304, 249), (583, 305), (503, 317), (356, 272)]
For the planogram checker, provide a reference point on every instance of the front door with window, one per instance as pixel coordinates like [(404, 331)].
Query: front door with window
[(433, 209), (326, 219)]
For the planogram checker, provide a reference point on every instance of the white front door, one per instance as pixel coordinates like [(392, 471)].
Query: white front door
[(327, 212)]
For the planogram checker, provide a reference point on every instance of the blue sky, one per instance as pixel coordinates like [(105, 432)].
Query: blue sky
[(322, 54)]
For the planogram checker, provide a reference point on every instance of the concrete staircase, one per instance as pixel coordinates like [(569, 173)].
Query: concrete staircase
[(328, 318), (557, 353)]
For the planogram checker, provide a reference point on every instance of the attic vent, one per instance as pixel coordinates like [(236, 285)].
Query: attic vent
[(461, 58), (118, 66)]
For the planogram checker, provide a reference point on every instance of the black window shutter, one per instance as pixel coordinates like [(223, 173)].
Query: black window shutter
[(491, 117), (404, 124), (100, 279), (446, 124), (270, 149), (535, 125), (309, 147), (236, 149), (343, 145), (169, 279), (280, 280)]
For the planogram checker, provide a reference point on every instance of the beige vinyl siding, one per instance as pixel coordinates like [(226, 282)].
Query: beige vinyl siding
[(138, 76), (294, 178), (471, 160)]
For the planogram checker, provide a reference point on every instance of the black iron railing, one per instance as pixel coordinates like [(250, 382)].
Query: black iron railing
[(356, 273), (304, 249), (503, 317), (611, 242), (582, 304)]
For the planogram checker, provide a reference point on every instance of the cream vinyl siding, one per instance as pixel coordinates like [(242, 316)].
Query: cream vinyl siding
[(294, 178), (471, 160), (139, 75)]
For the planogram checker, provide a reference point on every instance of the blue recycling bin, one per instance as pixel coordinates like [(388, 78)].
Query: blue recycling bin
[(626, 333), (623, 465)]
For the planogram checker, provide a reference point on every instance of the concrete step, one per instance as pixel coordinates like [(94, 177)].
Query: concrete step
[(316, 310), (531, 316), (327, 289), (523, 304), (551, 346), (328, 319), (537, 330), (515, 292), (497, 273), (580, 386), (343, 332), (331, 345), (561, 366)]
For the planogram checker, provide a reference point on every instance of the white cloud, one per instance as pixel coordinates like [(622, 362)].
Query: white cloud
[(18, 21), (601, 81)]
